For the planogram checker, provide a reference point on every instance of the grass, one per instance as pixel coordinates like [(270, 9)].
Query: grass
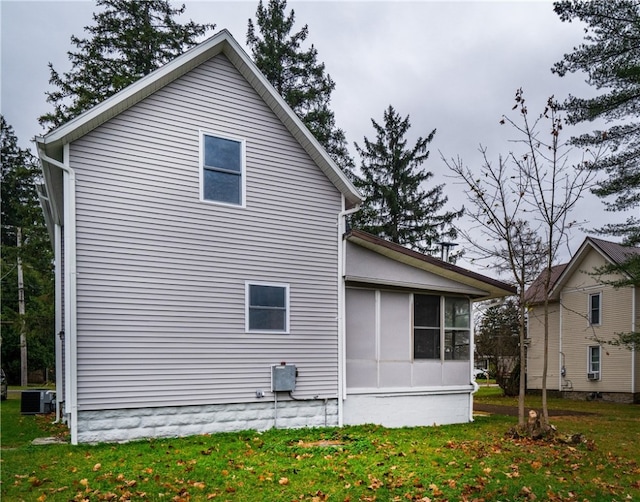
[(459, 462)]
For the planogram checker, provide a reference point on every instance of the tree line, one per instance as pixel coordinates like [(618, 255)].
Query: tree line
[(522, 208)]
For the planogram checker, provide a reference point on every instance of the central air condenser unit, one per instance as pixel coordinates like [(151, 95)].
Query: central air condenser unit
[(37, 401)]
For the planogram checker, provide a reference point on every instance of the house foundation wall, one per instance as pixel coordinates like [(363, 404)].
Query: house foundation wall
[(140, 423), (407, 411)]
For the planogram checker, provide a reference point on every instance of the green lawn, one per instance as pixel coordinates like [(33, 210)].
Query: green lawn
[(460, 462)]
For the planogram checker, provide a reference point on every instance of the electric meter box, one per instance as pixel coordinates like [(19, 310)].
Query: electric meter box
[(283, 378)]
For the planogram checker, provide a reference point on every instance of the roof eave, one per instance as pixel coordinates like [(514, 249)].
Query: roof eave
[(491, 287)]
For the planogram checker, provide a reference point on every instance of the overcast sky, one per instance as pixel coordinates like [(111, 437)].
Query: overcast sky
[(453, 66)]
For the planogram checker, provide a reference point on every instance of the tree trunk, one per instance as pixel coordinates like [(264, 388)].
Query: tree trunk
[(21, 313), (523, 366)]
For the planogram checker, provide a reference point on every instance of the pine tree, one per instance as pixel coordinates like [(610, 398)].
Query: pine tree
[(128, 41), (297, 75), (397, 206), (22, 219), (611, 60)]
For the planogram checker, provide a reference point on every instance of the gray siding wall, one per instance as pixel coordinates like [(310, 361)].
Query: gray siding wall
[(161, 275)]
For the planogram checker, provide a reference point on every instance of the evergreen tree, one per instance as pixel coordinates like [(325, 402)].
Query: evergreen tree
[(297, 75), (128, 41), (610, 57), (397, 206), (20, 209), (497, 341)]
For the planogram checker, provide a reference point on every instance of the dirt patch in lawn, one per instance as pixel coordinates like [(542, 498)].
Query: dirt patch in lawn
[(512, 411)]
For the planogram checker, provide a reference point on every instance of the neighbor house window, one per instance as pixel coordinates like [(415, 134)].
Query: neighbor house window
[(267, 307), (593, 364), (595, 308), (438, 321), (222, 169), (426, 327), (456, 328)]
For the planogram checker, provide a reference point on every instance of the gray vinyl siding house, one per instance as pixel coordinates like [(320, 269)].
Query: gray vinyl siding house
[(198, 229)]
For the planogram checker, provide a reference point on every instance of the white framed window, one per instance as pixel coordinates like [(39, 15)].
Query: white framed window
[(595, 309), (266, 307), (594, 362), (222, 169)]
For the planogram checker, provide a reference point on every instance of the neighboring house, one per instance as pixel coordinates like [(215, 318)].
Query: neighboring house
[(585, 314), (199, 231)]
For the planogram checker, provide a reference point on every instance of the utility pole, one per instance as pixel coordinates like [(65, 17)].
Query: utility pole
[(21, 312)]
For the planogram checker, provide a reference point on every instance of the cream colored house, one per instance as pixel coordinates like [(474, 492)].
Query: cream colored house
[(584, 315)]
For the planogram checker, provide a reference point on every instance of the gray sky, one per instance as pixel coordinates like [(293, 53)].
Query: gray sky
[(453, 66)]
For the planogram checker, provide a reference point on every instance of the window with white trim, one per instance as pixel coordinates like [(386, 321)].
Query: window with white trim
[(594, 357), (267, 307), (441, 321), (222, 169), (595, 309)]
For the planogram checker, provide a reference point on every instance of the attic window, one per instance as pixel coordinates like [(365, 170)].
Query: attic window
[(222, 169)]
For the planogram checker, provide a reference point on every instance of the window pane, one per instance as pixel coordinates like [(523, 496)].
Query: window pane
[(594, 359), (426, 344), (222, 187), (267, 319), (456, 345), (426, 311), (595, 308), (456, 313), (267, 296), (222, 153)]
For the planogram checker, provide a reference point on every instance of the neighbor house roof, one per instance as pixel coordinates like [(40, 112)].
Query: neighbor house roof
[(535, 293), (613, 252), (51, 145), (492, 287)]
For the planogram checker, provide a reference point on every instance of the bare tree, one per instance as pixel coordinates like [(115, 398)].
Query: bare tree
[(496, 194), (552, 187)]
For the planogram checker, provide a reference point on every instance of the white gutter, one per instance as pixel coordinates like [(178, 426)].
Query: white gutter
[(70, 310), (342, 342)]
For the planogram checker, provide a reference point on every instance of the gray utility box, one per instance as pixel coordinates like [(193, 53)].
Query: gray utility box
[(283, 378), (37, 401)]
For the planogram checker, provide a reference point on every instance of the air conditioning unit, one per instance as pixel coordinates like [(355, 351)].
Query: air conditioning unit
[(594, 375), (37, 401)]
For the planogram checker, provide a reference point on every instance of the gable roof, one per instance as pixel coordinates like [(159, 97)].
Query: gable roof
[(535, 293), (50, 146), (492, 287), (613, 252)]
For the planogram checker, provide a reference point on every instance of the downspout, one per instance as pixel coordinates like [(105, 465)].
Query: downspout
[(561, 362), (342, 343), (472, 358), (71, 368), (58, 318), (633, 347)]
